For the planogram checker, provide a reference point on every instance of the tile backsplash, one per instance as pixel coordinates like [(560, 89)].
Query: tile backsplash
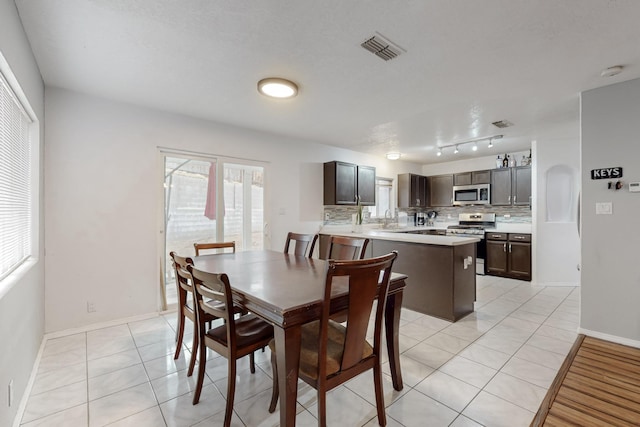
[(512, 214)]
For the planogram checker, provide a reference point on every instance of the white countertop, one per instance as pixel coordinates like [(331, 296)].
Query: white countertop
[(400, 234), (397, 235)]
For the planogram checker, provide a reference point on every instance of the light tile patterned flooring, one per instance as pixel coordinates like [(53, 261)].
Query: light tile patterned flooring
[(491, 368)]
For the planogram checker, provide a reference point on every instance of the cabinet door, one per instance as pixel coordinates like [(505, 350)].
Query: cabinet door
[(496, 261), (418, 191), (462, 178), (501, 187), (481, 177), (521, 185), (340, 183), (404, 190), (441, 190), (367, 185), (520, 260)]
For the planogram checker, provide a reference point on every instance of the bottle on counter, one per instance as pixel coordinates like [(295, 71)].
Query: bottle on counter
[(505, 161), (498, 162), (512, 161)]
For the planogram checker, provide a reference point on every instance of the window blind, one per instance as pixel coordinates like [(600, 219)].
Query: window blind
[(15, 182)]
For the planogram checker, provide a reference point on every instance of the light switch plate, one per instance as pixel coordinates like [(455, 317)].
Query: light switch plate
[(605, 208)]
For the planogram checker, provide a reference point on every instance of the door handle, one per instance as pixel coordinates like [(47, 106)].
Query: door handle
[(509, 247)]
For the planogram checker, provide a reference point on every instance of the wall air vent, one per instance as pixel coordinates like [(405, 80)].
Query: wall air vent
[(382, 47), (502, 124)]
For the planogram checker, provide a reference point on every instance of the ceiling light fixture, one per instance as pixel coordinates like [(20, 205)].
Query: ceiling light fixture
[(277, 88), (393, 155), (458, 145), (611, 71)]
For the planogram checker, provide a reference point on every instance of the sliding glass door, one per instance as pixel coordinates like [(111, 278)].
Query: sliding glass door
[(208, 200), (243, 205)]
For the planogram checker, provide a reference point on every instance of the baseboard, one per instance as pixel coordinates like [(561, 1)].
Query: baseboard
[(608, 337), (558, 284), (99, 325)]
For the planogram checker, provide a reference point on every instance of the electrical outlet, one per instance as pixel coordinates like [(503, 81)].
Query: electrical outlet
[(326, 216), (91, 308), (10, 402)]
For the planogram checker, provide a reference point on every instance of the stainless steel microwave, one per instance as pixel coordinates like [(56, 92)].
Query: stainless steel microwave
[(478, 194)]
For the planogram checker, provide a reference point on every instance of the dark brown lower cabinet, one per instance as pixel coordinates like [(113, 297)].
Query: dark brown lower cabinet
[(509, 255)]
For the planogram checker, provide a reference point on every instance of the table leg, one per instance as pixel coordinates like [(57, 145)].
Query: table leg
[(392, 329), (288, 359)]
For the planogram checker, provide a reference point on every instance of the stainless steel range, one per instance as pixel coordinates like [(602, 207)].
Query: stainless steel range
[(474, 225)]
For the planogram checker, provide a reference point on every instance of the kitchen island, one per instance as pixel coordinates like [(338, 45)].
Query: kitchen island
[(441, 269)]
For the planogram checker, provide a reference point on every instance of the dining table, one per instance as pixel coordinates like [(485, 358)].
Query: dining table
[(288, 291)]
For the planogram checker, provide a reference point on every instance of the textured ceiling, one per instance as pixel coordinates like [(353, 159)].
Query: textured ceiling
[(467, 63)]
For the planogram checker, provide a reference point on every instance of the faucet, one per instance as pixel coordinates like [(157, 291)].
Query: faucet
[(387, 217)]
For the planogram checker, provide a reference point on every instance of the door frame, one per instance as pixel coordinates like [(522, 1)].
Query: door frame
[(220, 160)]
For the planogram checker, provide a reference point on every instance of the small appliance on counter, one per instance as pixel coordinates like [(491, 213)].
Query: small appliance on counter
[(420, 218), (431, 217)]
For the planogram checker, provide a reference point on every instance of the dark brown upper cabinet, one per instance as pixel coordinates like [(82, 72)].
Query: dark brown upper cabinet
[(474, 177), (412, 191), (511, 186), (345, 182), (441, 190)]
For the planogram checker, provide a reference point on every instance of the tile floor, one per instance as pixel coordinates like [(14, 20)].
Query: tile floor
[(491, 368)]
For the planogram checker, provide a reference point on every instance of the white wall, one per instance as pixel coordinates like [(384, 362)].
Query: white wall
[(610, 294), (557, 243), (103, 197), (21, 304)]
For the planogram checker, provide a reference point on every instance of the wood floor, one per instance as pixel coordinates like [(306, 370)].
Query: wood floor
[(598, 385)]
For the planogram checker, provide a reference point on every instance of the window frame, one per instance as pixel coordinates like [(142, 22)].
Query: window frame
[(374, 211), (11, 277)]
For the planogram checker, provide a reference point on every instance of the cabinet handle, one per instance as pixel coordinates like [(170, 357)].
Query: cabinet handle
[(504, 247), (496, 236), (514, 199), (509, 199), (509, 247)]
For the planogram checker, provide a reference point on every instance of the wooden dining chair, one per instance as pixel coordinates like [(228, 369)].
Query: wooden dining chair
[(218, 247), (236, 338), (186, 308), (301, 243), (347, 248), (332, 353)]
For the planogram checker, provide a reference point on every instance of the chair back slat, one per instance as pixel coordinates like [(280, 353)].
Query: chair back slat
[(216, 247), (347, 248), (180, 263), (212, 294), (301, 243)]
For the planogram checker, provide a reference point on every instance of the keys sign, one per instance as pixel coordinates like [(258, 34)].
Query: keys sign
[(606, 173)]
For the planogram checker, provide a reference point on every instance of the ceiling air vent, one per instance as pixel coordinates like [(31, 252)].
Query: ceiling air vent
[(382, 47), (502, 124)]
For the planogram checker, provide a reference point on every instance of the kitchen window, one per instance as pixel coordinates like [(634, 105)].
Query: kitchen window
[(384, 198), (18, 175)]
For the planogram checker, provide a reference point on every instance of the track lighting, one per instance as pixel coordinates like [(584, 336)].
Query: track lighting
[(458, 145)]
